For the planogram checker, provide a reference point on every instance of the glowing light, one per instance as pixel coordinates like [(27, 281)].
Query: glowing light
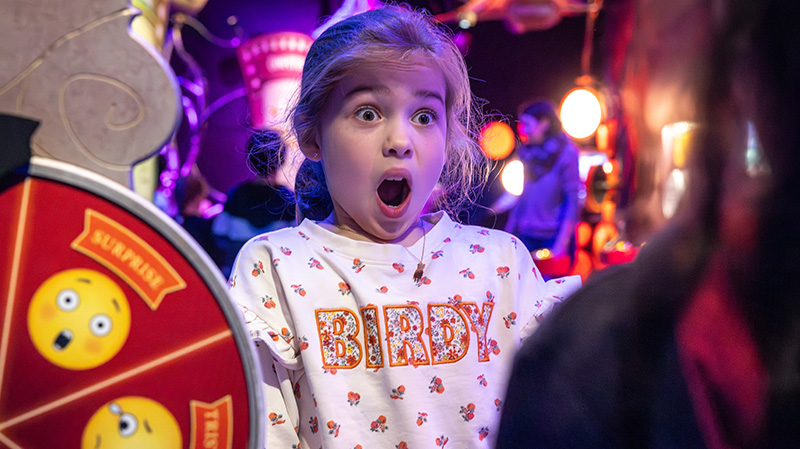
[(589, 159), (580, 113), (513, 177), (754, 155), (497, 140), (604, 234), (583, 234), (674, 188), (676, 139), (543, 253), (602, 138), (213, 210), (467, 20), (608, 167)]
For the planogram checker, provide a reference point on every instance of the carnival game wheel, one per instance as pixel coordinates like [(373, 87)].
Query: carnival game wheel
[(115, 328)]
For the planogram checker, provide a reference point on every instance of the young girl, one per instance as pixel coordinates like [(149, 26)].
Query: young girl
[(380, 327)]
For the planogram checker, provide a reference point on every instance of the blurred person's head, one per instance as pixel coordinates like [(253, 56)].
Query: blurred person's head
[(537, 121), (313, 201), (266, 152), (191, 193), (743, 179), (753, 188)]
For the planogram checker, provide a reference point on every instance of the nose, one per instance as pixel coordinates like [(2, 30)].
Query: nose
[(398, 141)]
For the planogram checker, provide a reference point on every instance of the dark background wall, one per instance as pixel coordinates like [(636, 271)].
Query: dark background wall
[(506, 68)]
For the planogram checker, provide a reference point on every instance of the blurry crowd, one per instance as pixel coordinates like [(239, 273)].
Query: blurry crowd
[(256, 205)]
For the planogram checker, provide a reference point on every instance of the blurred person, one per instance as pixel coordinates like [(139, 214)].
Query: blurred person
[(192, 197), (313, 201), (545, 214), (697, 342), (256, 205)]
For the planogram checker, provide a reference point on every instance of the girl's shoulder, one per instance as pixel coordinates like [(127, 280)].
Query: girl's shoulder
[(277, 237), (480, 235)]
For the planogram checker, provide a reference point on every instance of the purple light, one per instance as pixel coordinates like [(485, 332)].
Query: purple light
[(213, 210), (190, 112)]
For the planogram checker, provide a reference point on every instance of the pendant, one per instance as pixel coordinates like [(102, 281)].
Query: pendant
[(418, 273)]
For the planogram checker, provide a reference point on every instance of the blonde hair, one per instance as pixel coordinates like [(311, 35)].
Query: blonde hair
[(395, 33)]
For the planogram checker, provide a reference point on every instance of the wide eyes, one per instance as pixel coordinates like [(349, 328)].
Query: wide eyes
[(128, 425), (67, 300), (367, 114), (424, 117), (100, 325)]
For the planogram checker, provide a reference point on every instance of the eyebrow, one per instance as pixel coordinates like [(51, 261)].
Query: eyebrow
[(84, 280), (424, 93), (430, 94)]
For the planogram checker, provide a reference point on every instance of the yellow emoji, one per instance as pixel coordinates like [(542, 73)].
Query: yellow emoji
[(79, 319), (132, 422)]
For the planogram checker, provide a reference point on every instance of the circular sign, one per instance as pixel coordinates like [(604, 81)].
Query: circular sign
[(114, 325)]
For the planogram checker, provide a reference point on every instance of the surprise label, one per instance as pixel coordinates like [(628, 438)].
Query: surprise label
[(130, 257)]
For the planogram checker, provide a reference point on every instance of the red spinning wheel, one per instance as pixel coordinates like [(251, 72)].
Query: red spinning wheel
[(114, 326)]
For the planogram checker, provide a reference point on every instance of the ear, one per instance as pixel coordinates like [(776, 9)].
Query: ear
[(311, 149)]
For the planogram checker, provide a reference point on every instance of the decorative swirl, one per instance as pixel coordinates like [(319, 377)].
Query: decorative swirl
[(125, 110), (55, 45)]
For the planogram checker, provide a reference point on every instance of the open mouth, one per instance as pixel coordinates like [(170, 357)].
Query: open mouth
[(393, 191), (63, 339)]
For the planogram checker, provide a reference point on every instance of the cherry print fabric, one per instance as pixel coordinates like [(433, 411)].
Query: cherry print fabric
[(355, 353)]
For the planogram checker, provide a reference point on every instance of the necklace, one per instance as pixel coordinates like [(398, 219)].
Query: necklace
[(420, 265)]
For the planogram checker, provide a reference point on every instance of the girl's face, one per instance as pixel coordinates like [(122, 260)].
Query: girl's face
[(382, 142)]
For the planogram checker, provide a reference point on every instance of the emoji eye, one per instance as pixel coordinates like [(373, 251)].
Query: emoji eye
[(128, 425), (67, 300), (100, 325)]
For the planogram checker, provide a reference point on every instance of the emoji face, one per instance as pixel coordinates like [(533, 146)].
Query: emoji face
[(132, 422), (79, 319)]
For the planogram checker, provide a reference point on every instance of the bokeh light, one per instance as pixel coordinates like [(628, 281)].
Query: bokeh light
[(513, 177), (497, 140), (581, 113)]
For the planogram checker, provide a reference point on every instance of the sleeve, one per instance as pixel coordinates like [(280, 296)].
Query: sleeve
[(537, 296), (282, 419), (556, 291), (257, 290)]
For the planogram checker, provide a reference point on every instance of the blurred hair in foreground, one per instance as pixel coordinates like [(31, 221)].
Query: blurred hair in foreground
[(696, 343)]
